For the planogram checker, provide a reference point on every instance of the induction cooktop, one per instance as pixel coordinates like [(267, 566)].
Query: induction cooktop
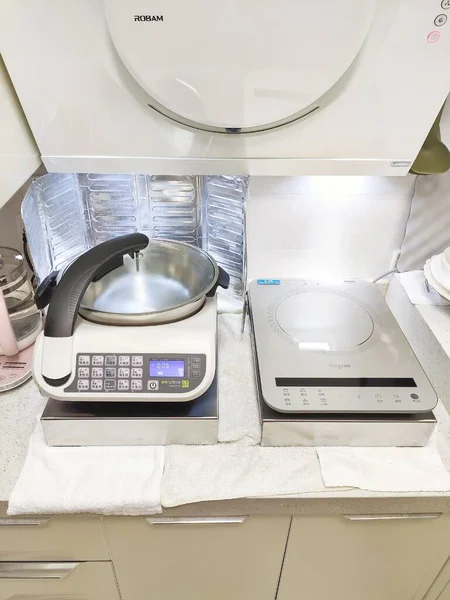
[(333, 348)]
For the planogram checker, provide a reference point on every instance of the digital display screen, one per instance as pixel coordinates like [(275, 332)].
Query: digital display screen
[(345, 382), (166, 368)]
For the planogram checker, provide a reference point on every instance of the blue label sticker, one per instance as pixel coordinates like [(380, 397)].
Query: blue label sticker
[(268, 281)]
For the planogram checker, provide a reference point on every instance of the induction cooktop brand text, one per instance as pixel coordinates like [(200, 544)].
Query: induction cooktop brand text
[(149, 17), (339, 366)]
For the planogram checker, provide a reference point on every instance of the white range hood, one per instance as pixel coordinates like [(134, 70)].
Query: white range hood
[(234, 87)]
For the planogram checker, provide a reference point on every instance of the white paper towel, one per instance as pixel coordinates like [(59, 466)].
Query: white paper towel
[(418, 293)]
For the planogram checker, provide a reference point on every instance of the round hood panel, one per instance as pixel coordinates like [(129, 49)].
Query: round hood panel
[(239, 64)]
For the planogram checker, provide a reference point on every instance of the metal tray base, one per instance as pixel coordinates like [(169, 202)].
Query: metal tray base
[(344, 430), (132, 423)]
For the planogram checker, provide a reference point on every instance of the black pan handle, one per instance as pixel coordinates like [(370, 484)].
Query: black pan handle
[(44, 293), (66, 298), (223, 281)]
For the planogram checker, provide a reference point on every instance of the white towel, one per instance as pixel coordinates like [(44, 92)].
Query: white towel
[(385, 469), (101, 480), (201, 473), (237, 467), (238, 409), (415, 286), (229, 304)]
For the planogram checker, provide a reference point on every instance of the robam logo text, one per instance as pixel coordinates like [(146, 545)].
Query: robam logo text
[(148, 18)]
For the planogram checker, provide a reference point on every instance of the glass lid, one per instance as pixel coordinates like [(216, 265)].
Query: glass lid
[(11, 266)]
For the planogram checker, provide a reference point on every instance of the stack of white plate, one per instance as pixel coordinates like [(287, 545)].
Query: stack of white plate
[(437, 272)]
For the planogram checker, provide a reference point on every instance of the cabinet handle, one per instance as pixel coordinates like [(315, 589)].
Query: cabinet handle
[(195, 520), (393, 517), (26, 521), (36, 570)]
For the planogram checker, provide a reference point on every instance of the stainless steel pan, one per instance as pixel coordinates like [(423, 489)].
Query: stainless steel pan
[(130, 280), (167, 281)]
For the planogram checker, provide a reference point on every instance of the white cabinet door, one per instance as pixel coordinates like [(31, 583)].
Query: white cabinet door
[(229, 558), (55, 581), (364, 558)]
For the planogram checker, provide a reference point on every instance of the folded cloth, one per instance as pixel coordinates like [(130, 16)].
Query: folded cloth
[(385, 469), (237, 467), (229, 304), (101, 480), (238, 409), (418, 293), (201, 473)]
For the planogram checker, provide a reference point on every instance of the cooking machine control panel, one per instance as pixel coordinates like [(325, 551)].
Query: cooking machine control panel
[(138, 373)]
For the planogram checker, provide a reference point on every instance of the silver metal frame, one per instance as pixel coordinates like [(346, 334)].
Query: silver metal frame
[(36, 570)]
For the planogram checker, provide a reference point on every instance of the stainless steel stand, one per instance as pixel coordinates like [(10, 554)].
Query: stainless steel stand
[(132, 423)]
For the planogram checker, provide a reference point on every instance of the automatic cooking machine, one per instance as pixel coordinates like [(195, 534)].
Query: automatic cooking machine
[(128, 353)]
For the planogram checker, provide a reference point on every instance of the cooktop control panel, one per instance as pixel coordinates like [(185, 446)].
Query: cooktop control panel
[(318, 394), (138, 373)]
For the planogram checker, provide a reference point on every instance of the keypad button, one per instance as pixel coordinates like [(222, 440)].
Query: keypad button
[(98, 360), (195, 373), (84, 359), (123, 385), (153, 385), (137, 361), (96, 385), (124, 361), (110, 372), (195, 361), (110, 385), (97, 372), (136, 384), (124, 372), (137, 373), (111, 361), (83, 385), (83, 372), (440, 20)]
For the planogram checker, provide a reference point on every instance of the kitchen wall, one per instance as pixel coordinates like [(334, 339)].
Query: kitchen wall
[(10, 220), (324, 227), (19, 155)]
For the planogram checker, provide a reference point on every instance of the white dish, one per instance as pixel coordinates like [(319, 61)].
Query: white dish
[(439, 272), (441, 290)]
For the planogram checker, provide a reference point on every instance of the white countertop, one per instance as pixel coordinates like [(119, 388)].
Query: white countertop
[(20, 408)]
